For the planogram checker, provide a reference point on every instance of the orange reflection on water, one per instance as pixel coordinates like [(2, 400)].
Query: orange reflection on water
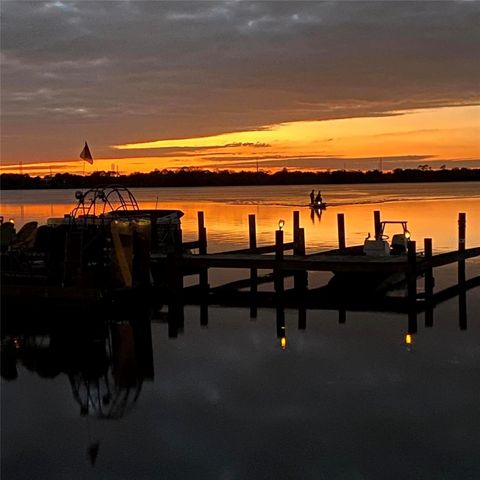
[(227, 224)]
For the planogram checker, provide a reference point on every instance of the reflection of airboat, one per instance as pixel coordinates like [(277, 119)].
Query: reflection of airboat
[(112, 386), (106, 363)]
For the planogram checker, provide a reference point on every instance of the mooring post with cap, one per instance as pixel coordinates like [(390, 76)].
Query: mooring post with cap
[(412, 286), (277, 273)]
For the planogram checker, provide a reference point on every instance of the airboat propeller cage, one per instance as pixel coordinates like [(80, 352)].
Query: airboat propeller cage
[(108, 230), (103, 204)]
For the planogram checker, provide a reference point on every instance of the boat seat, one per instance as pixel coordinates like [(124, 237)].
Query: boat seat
[(25, 237), (7, 234)]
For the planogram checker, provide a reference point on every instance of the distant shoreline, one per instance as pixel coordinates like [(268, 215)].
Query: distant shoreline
[(185, 178)]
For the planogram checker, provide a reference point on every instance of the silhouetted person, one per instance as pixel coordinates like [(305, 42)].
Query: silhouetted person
[(312, 197), (318, 198)]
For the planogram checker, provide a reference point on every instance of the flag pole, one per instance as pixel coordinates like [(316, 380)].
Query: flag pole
[(86, 156)]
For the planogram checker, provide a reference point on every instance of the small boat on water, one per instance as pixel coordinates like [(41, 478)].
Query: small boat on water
[(318, 206)]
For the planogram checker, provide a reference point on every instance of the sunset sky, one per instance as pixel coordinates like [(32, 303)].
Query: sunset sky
[(238, 84)]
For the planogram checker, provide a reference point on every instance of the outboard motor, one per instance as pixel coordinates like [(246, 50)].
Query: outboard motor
[(399, 244)]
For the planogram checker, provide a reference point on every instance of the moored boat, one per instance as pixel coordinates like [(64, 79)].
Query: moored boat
[(103, 245)]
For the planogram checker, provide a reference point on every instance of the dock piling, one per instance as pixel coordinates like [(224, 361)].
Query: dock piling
[(296, 228), (278, 281), (461, 246), (252, 243), (202, 249), (412, 286), (341, 231), (300, 278), (462, 298), (376, 222), (429, 283)]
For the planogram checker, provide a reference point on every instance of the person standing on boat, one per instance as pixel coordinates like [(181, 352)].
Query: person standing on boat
[(318, 198), (312, 197)]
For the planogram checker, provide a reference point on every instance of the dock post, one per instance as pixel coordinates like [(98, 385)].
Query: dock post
[(341, 231), (376, 222), (300, 278), (412, 287), (252, 240), (278, 277), (296, 228), (252, 232), (462, 297), (202, 250), (342, 316), (461, 246), (300, 282), (252, 237), (429, 283)]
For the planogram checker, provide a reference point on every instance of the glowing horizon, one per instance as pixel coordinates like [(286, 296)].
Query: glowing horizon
[(412, 137)]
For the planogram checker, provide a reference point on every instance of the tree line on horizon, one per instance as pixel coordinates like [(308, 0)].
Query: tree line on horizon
[(189, 177)]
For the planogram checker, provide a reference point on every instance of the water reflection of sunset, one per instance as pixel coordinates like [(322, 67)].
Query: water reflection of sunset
[(227, 225), (437, 220)]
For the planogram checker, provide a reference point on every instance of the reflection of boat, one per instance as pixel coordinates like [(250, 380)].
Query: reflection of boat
[(102, 245), (318, 206), (106, 363)]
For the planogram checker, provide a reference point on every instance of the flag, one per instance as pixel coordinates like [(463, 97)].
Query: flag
[(86, 155)]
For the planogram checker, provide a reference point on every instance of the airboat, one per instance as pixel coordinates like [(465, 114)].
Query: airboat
[(104, 243)]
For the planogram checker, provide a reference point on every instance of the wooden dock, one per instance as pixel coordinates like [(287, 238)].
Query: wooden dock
[(347, 261)]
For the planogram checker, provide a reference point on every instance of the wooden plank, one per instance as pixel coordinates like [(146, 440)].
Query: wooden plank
[(293, 262), (260, 250), (246, 282), (449, 257), (453, 291)]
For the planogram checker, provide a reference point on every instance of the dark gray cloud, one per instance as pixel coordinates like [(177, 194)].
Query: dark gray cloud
[(125, 71)]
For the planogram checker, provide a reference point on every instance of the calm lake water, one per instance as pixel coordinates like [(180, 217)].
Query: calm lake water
[(346, 400)]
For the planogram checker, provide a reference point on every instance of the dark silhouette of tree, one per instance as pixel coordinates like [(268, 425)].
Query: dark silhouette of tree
[(189, 177)]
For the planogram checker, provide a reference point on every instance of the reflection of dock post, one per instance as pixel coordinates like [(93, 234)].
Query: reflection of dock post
[(462, 297), (202, 249), (277, 273), (252, 238), (412, 287), (302, 318), (280, 321), (429, 283), (175, 289), (204, 314), (376, 222), (341, 231)]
